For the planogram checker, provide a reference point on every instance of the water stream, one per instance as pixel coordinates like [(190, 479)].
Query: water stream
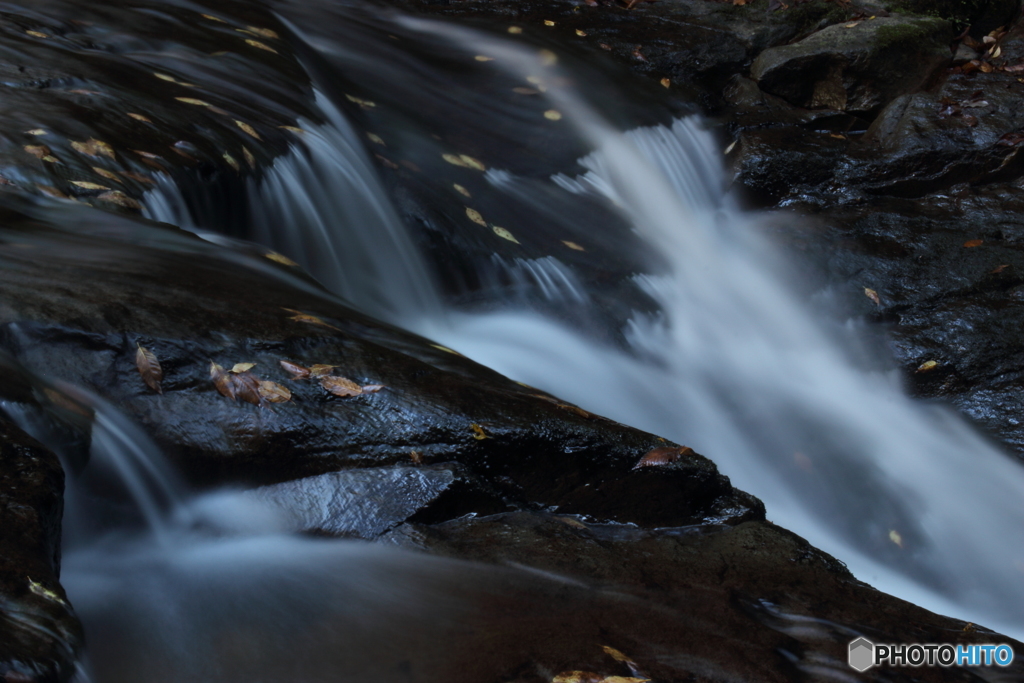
[(730, 361)]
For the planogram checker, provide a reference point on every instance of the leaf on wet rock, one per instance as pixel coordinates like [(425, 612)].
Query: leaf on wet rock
[(265, 32), (149, 367), (617, 655), (373, 137), (192, 100), (293, 129), (577, 677), (36, 132), (367, 104), (109, 175), (37, 34), (461, 190), (261, 46), (446, 349), (93, 148), (475, 216), (974, 243), (504, 234), (249, 158), (280, 258), (222, 380), (927, 366), (294, 369), (137, 177), (553, 115), (248, 129), (274, 392), (472, 163), (372, 388), (665, 82), (478, 432), (121, 199), (339, 386), (242, 367), (666, 455), (232, 162), (318, 370), (454, 160), (247, 387), (38, 151), (165, 77), (873, 295), (311, 319), (573, 245), (86, 185), (213, 18)]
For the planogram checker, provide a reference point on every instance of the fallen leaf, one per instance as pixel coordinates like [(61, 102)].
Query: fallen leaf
[(895, 537), (51, 159), (372, 388), (232, 162), (258, 44), (248, 129), (137, 177), (999, 269), (470, 162), (570, 521), (927, 366), (446, 349), (149, 367), (416, 458), (665, 455), (637, 54), (461, 190), (43, 592), (339, 386), (38, 151), (36, 131), (577, 677), (222, 380), (852, 24), (165, 77), (311, 319), (515, 30), (265, 32), (318, 370), (573, 245), (360, 102), (995, 52), (504, 234), (280, 258), (375, 139), (37, 34), (295, 370), (548, 22), (475, 216), (731, 147), (873, 295), (293, 129), (986, 68), (242, 367), (249, 158), (553, 115), (974, 243), (665, 82), (247, 387), (213, 18), (192, 100), (93, 148), (52, 191), (109, 175), (86, 185), (581, 33), (478, 432), (482, 58), (274, 392), (121, 199), (969, 627), (548, 58)]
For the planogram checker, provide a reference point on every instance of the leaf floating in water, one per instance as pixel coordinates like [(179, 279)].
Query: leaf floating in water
[(242, 367), (280, 258), (192, 100), (577, 677), (109, 175), (973, 243), (666, 455), (261, 46), (573, 245), (121, 199), (873, 295), (149, 368), (504, 234), (295, 370), (36, 131), (274, 392), (475, 216), (453, 159), (232, 162), (93, 148), (553, 115), (317, 370), (895, 537), (222, 380), (339, 386), (248, 129), (416, 458), (461, 190), (478, 432), (86, 185), (927, 366)]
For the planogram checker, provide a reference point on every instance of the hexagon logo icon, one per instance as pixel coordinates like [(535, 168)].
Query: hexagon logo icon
[(862, 654)]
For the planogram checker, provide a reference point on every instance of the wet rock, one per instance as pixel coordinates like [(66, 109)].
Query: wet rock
[(856, 67), (40, 637)]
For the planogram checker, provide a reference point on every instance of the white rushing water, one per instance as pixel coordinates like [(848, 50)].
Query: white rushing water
[(735, 366)]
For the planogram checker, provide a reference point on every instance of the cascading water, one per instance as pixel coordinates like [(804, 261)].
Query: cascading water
[(734, 364)]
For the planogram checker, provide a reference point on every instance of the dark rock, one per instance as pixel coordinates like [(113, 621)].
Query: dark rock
[(858, 66), (40, 637)]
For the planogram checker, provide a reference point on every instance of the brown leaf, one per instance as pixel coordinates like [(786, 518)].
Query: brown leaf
[(339, 386), (577, 677), (974, 243), (295, 370), (109, 175), (317, 370), (149, 368), (274, 392), (231, 161), (223, 381), (573, 245), (416, 458), (247, 387), (121, 199), (242, 367), (311, 319), (93, 148), (137, 177), (504, 234), (475, 216), (873, 295), (38, 151), (193, 101), (86, 185), (249, 158), (478, 432), (616, 655), (666, 455)]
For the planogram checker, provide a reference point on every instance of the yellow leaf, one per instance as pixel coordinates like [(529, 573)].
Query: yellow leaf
[(452, 159), (265, 32), (548, 22), (44, 592), (461, 190), (280, 258), (375, 138), (446, 349), (52, 191), (475, 216), (504, 234), (52, 159), (242, 367), (249, 158), (482, 58), (165, 77), (231, 162), (927, 366), (84, 184), (515, 30), (470, 162), (37, 34), (895, 537), (149, 368), (616, 655), (573, 245), (553, 115), (478, 432), (293, 129), (36, 131), (581, 33), (274, 392), (665, 82), (360, 102), (873, 295), (262, 46), (372, 388), (38, 151), (339, 386), (319, 370), (192, 100), (139, 117), (248, 129), (109, 175), (577, 677), (213, 18)]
